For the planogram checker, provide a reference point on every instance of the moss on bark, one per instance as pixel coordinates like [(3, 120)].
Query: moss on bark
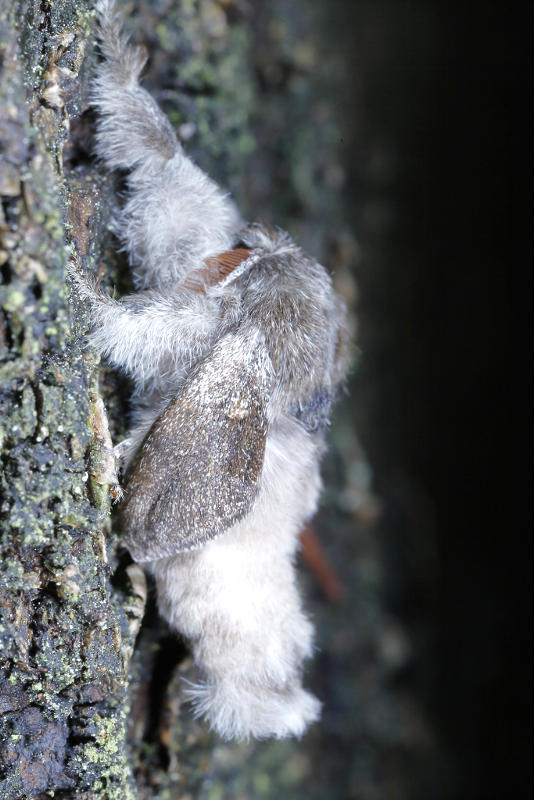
[(63, 674)]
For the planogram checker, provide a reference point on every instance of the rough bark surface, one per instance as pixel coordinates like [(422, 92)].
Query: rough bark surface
[(66, 635)]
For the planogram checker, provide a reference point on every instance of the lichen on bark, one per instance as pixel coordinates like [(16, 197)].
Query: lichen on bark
[(63, 675)]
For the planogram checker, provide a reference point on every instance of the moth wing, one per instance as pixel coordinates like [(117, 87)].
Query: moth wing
[(197, 471)]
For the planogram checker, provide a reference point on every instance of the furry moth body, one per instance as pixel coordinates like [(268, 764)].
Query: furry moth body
[(234, 379)]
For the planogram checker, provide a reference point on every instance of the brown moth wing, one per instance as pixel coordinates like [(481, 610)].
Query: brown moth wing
[(198, 469)]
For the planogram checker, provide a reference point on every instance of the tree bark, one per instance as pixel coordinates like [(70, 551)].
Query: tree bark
[(66, 633)]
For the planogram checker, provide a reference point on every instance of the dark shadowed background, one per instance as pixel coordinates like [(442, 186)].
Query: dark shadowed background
[(439, 179)]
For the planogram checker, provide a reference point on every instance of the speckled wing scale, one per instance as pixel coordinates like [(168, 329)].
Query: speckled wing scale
[(197, 471)]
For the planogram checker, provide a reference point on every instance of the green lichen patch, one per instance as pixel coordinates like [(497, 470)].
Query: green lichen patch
[(62, 662)]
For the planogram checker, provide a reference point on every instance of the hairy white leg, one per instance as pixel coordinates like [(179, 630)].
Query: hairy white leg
[(150, 333), (132, 129), (176, 216)]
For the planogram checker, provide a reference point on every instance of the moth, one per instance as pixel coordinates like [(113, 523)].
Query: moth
[(236, 345)]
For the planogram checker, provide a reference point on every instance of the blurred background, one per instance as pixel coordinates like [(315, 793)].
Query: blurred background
[(392, 139)]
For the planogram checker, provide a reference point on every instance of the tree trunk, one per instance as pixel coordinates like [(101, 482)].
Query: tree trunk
[(67, 633)]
